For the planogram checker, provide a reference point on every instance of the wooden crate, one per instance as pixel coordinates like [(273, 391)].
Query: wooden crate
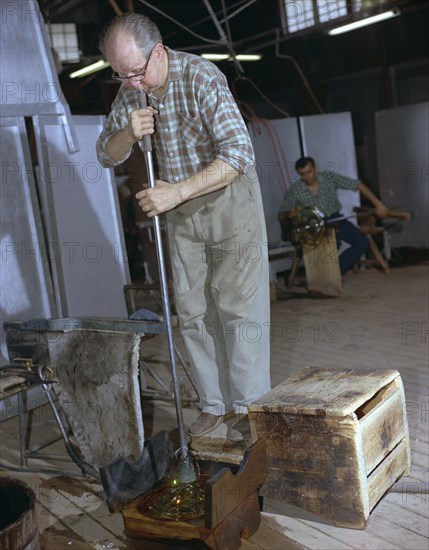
[(337, 440), (322, 267)]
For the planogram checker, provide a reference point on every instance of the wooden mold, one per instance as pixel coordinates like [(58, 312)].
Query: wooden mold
[(231, 508), (337, 440)]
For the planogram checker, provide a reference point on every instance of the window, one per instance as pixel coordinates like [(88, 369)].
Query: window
[(298, 15), (330, 10), (63, 38)]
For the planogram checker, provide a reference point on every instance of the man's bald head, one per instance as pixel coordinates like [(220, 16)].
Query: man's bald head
[(130, 25)]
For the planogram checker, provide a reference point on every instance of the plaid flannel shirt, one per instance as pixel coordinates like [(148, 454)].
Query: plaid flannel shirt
[(198, 121), (327, 200)]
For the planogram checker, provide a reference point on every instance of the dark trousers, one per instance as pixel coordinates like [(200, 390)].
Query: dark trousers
[(353, 236)]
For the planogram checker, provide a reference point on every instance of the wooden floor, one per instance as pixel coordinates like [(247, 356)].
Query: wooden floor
[(379, 322)]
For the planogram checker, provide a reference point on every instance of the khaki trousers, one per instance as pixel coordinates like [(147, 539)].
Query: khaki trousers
[(219, 262)]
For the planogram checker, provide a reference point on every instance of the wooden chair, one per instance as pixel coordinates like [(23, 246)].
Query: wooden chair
[(368, 224)]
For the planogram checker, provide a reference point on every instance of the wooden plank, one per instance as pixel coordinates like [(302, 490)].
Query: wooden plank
[(405, 424), (226, 458), (412, 501), (413, 518), (338, 391), (217, 442), (315, 463), (322, 269), (381, 395), (310, 379), (139, 526), (386, 530), (387, 473), (380, 343), (418, 476), (420, 459), (396, 514), (226, 491), (323, 401), (302, 444), (62, 540), (382, 429), (309, 536), (363, 385), (268, 537), (339, 537)]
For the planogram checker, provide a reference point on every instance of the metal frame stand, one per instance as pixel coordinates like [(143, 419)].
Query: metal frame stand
[(163, 392), (26, 453)]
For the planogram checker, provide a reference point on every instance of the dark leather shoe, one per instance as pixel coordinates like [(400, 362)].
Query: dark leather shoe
[(205, 424)]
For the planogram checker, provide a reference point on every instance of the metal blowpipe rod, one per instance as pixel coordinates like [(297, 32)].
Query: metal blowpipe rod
[(147, 148)]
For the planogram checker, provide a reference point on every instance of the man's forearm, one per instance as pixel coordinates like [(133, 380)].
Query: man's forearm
[(119, 145), (368, 194), (217, 175), (380, 208)]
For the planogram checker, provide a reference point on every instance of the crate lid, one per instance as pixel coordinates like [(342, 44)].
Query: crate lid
[(324, 391)]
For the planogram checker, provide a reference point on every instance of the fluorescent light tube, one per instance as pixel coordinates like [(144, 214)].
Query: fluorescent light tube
[(215, 56), (248, 57), (225, 56), (363, 22), (93, 68)]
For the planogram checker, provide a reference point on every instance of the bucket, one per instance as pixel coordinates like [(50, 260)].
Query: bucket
[(18, 521)]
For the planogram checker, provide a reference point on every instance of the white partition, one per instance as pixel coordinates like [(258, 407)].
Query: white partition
[(26, 289), (83, 223), (277, 147), (402, 138), (276, 144)]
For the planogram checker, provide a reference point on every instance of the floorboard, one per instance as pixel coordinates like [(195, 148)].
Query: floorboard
[(378, 322)]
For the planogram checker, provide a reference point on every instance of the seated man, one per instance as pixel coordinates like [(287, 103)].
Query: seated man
[(319, 189)]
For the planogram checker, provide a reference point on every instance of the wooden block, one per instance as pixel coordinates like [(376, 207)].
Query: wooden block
[(337, 439), (241, 523), (217, 442), (225, 491), (231, 508), (322, 268)]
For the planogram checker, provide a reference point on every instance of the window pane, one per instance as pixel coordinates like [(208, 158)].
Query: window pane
[(64, 40), (299, 15), (331, 9)]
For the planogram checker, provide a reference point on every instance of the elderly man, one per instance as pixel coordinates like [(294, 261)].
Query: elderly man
[(319, 189), (210, 193)]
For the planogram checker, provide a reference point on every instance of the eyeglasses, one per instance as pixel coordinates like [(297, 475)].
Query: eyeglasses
[(134, 77)]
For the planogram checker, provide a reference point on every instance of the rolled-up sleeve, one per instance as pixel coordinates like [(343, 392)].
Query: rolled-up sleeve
[(117, 120), (223, 119)]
